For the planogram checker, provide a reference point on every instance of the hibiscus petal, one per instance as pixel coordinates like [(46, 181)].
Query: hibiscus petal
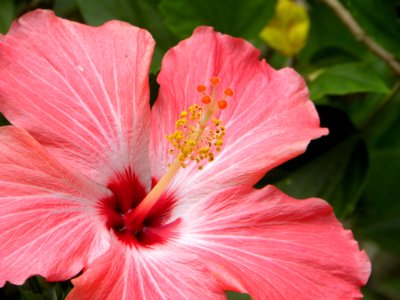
[(275, 247), (145, 274), (48, 223), (268, 120), (81, 91)]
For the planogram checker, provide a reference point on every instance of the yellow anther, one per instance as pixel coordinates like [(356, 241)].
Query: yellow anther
[(204, 150), (216, 122), (178, 135), (183, 114), (180, 122), (219, 143)]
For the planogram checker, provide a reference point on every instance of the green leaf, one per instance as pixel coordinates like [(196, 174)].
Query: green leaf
[(3, 121), (142, 13), (379, 20), (29, 295), (345, 79), (65, 8), (390, 287), (334, 167), (235, 17), (383, 129), (237, 296), (154, 87), (336, 176), (380, 220), (7, 14)]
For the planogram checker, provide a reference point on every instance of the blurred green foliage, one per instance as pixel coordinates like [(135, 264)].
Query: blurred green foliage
[(6, 14), (236, 17), (356, 168)]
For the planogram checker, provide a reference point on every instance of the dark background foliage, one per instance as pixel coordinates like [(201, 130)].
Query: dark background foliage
[(356, 168)]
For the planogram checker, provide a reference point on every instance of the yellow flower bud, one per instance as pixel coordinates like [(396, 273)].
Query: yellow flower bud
[(287, 31)]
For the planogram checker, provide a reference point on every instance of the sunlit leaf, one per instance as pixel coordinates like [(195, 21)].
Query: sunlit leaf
[(345, 79)]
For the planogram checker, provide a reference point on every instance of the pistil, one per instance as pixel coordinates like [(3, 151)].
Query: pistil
[(194, 138)]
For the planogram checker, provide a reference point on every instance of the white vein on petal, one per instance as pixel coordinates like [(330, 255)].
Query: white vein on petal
[(72, 90), (152, 279), (105, 134), (33, 241), (171, 284), (68, 129)]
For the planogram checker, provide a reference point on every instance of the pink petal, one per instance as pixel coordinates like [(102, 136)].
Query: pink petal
[(48, 219), (81, 91), (268, 120), (271, 246), (159, 273)]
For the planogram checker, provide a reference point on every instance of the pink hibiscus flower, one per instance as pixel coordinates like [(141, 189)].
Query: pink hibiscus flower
[(92, 183)]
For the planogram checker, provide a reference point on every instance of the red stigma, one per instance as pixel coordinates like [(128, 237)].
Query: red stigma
[(201, 88), (214, 80), (206, 99), (222, 104), (228, 92)]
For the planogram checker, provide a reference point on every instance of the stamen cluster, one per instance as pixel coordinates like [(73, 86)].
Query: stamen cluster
[(191, 141), (198, 135)]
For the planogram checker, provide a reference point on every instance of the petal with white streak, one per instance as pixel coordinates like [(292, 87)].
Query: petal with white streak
[(271, 246), (81, 91), (49, 224), (160, 273)]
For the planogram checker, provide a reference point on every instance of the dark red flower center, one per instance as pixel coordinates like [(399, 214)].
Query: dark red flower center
[(138, 218), (123, 217)]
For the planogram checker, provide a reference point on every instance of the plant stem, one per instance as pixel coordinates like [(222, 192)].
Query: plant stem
[(361, 36)]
